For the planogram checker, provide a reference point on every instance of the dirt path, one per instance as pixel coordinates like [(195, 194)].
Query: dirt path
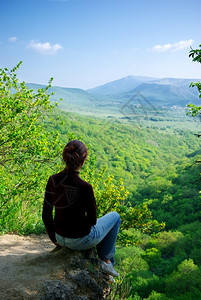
[(12, 249), (15, 245)]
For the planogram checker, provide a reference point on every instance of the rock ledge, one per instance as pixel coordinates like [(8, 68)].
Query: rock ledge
[(59, 274)]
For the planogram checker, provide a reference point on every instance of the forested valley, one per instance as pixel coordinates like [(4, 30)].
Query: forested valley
[(150, 174), (160, 168)]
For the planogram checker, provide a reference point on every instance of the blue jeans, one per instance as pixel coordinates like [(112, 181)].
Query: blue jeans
[(103, 235)]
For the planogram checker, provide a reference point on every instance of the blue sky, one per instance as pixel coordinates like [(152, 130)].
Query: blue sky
[(86, 43)]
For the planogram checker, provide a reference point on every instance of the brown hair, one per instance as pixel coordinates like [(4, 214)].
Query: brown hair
[(74, 154)]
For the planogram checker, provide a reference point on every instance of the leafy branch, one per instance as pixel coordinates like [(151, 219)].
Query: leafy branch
[(192, 108)]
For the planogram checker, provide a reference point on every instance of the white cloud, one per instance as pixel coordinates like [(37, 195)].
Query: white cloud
[(173, 47), (12, 39), (44, 48)]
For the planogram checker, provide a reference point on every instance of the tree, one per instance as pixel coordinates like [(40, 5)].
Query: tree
[(21, 110), (185, 281), (196, 57), (25, 149)]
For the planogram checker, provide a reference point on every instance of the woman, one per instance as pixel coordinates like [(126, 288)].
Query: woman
[(75, 224)]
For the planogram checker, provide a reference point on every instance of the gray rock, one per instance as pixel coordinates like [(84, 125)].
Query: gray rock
[(87, 284), (56, 290)]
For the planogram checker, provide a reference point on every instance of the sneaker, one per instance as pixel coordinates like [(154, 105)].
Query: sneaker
[(109, 269), (111, 279)]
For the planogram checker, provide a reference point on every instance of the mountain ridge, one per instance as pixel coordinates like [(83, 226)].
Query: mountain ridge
[(158, 91)]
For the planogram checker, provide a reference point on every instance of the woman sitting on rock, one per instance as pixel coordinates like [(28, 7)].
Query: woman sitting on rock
[(75, 224)]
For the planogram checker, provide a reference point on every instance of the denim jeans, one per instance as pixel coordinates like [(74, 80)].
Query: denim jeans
[(103, 235)]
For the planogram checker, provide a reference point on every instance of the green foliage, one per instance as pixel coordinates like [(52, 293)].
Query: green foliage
[(158, 296), (111, 196), (196, 54), (26, 152), (184, 281), (166, 242), (20, 109), (174, 199), (161, 267), (153, 257), (191, 242), (196, 57)]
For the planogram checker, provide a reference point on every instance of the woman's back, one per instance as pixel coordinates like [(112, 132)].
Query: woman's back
[(74, 203)]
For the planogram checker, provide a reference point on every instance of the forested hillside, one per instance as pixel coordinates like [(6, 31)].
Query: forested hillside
[(158, 167), (135, 154)]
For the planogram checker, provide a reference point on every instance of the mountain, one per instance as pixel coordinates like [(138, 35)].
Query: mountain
[(119, 86), (167, 91), (73, 98)]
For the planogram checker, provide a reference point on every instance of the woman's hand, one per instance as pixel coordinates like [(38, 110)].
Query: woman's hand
[(57, 248)]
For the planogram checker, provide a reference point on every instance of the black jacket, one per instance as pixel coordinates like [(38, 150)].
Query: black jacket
[(73, 201)]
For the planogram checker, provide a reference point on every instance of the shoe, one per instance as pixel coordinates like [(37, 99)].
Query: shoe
[(109, 269), (111, 279)]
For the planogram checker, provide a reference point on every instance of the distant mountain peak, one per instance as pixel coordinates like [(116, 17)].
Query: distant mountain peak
[(120, 85)]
